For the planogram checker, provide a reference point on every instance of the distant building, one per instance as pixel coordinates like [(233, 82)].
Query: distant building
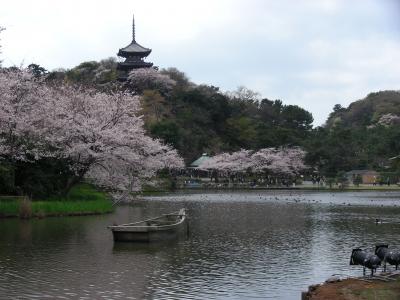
[(200, 160), (134, 55), (367, 176)]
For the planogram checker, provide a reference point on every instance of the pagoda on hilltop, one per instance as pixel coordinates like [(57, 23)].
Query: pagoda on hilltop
[(134, 55)]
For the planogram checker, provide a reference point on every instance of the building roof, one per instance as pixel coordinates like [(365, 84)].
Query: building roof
[(362, 172), (200, 160), (134, 49)]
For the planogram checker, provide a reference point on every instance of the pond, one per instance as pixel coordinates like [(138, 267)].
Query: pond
[(242, 245)]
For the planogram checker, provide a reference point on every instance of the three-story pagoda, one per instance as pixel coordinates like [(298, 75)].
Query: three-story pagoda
[(134, 55)]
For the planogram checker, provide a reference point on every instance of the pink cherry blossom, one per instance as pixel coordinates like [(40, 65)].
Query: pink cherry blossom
[(149, 79), (101, 135), (282, 161)]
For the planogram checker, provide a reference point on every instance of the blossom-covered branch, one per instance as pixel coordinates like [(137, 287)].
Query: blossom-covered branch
[(149, 79), (1, 29), (283, 161), (100, 135)]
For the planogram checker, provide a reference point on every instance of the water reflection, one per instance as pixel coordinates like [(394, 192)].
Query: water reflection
[(241, 245)]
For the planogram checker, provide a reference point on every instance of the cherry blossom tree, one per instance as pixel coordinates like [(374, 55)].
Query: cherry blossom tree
[(277, 161), (21, 112), (389, 119), (244, 94), (149, 79), (285, 161), (1, 29), (238, 161), (99, 135)]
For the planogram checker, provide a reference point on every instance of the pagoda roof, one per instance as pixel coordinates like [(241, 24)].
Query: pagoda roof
[(134, 49)]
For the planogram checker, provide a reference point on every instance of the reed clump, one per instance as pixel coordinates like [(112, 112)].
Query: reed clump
[(25, 208)]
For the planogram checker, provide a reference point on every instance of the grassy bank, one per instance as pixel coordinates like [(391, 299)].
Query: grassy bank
[(83, 199)]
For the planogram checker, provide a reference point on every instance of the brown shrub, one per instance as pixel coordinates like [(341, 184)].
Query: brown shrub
[(25, 208)]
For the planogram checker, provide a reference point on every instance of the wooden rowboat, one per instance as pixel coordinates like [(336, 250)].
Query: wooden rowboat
[(165, 227)]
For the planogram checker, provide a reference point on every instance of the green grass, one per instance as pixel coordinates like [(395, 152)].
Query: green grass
[(54, 208), (81, 192), (9, 208), (82, 199)]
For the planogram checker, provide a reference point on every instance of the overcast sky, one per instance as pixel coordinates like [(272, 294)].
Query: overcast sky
[(313, 53)]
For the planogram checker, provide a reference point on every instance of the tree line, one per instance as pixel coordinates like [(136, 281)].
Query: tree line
[(201, 118), (178, 114)]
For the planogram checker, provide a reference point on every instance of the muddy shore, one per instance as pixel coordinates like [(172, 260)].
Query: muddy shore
[(386, 288)]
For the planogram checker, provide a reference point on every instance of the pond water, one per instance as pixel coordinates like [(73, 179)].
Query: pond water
[(242, 245)]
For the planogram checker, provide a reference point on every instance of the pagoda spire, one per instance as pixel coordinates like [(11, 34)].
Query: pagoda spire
[(134, 56), (133, 27)]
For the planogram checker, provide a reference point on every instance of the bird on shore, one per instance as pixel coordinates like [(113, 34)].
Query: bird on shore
[(364, 259), (386, 255)]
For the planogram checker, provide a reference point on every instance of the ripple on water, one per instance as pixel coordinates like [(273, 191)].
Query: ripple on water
[(255, 245)]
